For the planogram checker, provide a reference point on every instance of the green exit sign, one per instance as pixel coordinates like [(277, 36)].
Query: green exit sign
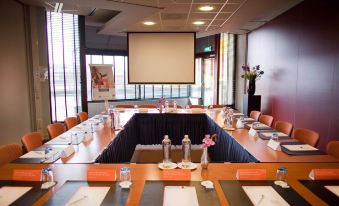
[(208, 49)]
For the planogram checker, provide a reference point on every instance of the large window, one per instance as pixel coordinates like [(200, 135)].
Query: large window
[(125, 91), (64, 64)]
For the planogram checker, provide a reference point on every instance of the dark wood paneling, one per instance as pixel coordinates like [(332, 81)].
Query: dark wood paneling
[(299, 53)]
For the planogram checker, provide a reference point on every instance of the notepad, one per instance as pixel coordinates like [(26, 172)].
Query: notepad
[(238, 114), (334, 189), (270, 134), (264, 196), (10, 194), (300, 147), (180, 195), (39, 154), (90, 196)]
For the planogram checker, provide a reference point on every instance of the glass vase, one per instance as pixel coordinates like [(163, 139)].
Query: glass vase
[(204, 159)]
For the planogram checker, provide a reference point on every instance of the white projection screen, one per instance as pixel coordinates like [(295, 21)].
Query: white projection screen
[(161, 58)]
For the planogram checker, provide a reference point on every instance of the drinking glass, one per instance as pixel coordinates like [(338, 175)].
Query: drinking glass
[(125, 174)]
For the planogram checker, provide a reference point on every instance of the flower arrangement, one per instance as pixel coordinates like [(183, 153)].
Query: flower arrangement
[(208, 141), (252, 74), (161, 101)]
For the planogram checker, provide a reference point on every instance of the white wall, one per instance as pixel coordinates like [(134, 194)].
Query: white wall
[(14, 91)]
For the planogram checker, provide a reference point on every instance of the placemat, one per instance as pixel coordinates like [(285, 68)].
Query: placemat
[(115, 195), (153, 193), (317, 187), (31, 196), (37, 160), (235, 195), (247, 126), (289, 152)]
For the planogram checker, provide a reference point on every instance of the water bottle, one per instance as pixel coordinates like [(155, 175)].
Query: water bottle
[(166, 151), (282, 174), (166, 106), (186, 151), (175, 106), (275, 136), (74, 139), (46, 175)]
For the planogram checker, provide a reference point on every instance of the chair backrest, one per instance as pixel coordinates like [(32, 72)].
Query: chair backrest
[(266, 119), (284, 127), (10, 152), (216, 106), (70, 122), (55, 130), (31, 140), (82, 116), (306, 136), (178, 106), (333, 148), (147, 106), (124, 106), (255, 115), (197, 106)]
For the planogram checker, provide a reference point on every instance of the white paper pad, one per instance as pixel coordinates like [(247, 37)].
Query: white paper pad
[(180, 195), (264, 195), (334, 189), (238, 114), (300, 147), (90, 196), (248, 119), (10, 194), (270, 134), (39, 154)]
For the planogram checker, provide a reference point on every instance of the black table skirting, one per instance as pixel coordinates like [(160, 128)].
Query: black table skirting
[(148, 129)]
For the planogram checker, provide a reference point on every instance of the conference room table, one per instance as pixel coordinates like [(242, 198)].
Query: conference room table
[(87, 152), (150, 172)]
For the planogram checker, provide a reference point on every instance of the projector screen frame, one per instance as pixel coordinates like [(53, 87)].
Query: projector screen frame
[(159, 83)]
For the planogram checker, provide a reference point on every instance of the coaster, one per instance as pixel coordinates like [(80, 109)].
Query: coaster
[(191, 166), (170, 166)]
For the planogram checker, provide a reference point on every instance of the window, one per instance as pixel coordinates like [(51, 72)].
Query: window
[(125, 91), (64, 64)]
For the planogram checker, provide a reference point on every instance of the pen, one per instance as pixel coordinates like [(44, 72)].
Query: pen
[(78, 200), (260, 200)]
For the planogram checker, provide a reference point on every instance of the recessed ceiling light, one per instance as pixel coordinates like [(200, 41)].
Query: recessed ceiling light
[(198, 23), (149, 23), (206, 8)]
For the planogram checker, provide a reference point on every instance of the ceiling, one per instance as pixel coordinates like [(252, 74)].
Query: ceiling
[(115, 17)]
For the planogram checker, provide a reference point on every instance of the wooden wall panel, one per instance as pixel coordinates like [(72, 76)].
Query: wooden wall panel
[(299, 53)]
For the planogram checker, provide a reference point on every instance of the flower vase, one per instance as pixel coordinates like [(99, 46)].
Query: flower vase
[(160, 109), (204, 159), (251, 87)]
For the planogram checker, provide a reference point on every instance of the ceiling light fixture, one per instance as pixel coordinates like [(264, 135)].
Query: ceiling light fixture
[(149, 23), (206, 8), (198, 23)]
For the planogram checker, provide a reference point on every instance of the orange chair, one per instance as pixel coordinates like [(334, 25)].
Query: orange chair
[(333, 148), (284, 127), (255, 115), (31, 141), (55, 130), (306, 136), (197, 106), (70, 122), (266, 119), (150, 106), (216, 106), (124, 106), (178, 106), (82, 116), (10, 152)]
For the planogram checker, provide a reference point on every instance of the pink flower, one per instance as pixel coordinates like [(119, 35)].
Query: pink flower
[(207, 141)]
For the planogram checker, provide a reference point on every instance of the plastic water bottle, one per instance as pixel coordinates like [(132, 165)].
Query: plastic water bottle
[(166, 106), (46, 175), (166, 151), (175, 106), (186, 151)]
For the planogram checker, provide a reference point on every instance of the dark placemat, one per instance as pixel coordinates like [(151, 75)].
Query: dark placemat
[(153, 193), (115, 195), (317, 187), (247, 126), (235, 195), (289, 152), (31, 196)]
